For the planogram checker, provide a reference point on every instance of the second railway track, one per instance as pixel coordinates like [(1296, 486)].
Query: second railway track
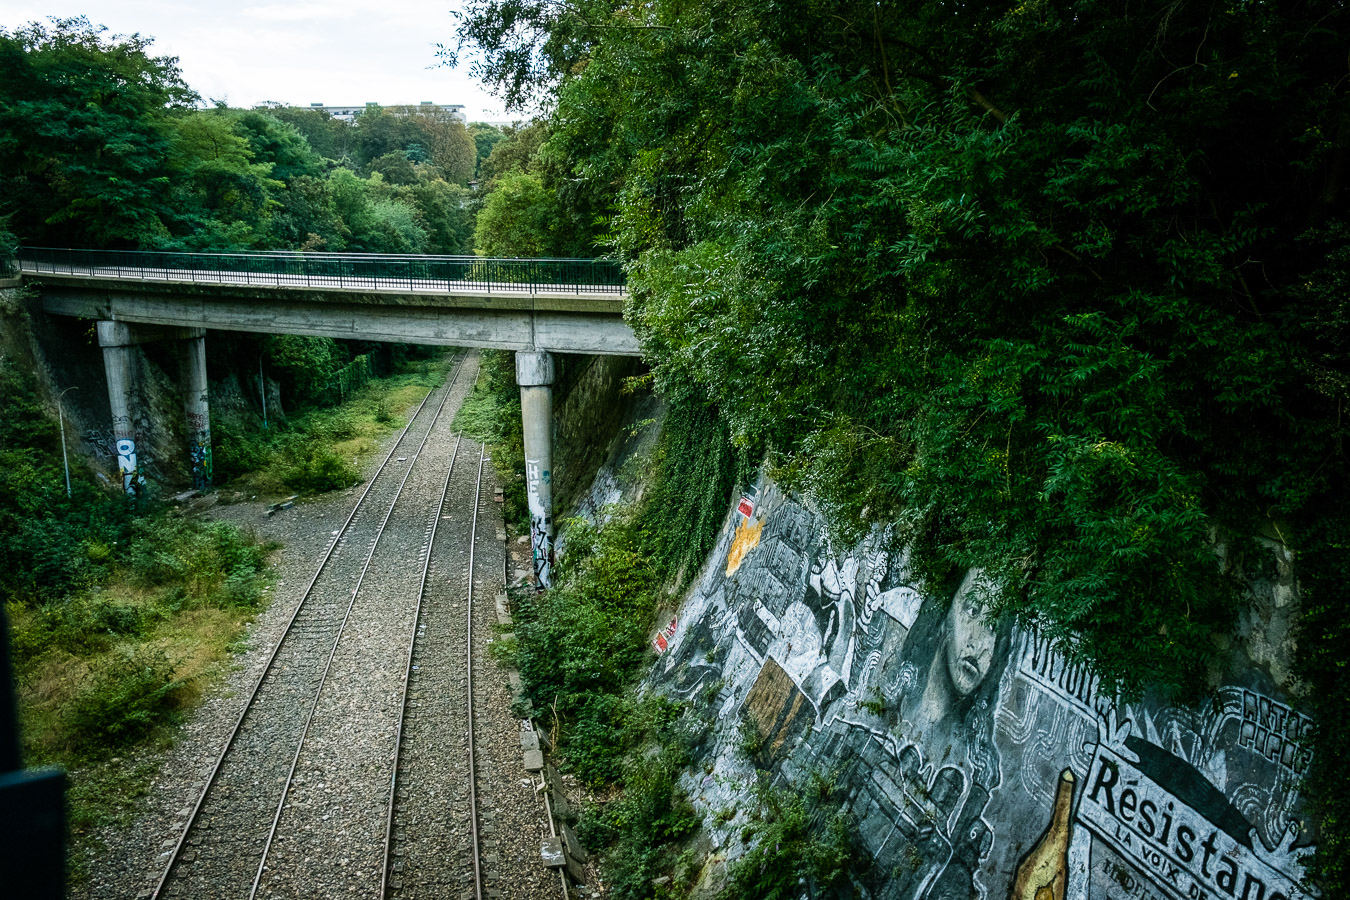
[(312, 829)]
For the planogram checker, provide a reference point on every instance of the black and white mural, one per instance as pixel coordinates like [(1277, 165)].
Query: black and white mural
[(975, 761)]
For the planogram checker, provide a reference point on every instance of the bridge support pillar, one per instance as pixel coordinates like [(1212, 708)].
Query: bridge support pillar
[(119, 341), (534, 374), (196, 407), (119, 365)]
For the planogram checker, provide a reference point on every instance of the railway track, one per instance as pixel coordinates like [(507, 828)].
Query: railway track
[(434, 751), (455, 824), (292, 766)]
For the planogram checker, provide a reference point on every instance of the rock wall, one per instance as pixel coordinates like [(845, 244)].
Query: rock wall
[(975, 761), (590, 407)]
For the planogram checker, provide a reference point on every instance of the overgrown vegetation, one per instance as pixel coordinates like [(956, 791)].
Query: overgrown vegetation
[(581, 648), (110, 663), (122, 613), (1057, 288), (117, 614), (799, 842), (320, 448), (102, 144)]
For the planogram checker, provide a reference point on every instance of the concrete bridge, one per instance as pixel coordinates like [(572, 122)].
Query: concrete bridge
[(533, 307)]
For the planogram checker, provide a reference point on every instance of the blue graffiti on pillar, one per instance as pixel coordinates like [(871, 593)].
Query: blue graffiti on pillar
[(126, 464), (199, 452)]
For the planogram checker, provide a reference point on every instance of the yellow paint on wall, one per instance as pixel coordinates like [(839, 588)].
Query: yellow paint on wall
[(746, 539)]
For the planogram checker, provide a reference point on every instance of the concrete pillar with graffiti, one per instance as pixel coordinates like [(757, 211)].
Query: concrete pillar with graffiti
[(196, 407), (119, 364), (534, 374)]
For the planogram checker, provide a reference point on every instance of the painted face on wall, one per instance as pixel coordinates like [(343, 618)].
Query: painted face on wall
[(970, 642)]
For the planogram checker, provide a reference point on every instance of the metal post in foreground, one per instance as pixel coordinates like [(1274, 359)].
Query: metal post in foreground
[(61, 418)]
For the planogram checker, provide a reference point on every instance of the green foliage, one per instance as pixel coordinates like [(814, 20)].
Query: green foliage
[(446, 212), (1029, 327), (1323, 546), (581, 644), (181, 564), (214, 563), (277, 144), (224, 198), (1037, 283), (236, 450), (316, 448), (797, 846), (127, 695), (312, 467), (485, 137), (1324, 640), (100, 146), (303, 365), (696, 471), (531, 206), (428, 134), (516, 218), (47, 541), (642, 828), (513, 151), (83, 148)]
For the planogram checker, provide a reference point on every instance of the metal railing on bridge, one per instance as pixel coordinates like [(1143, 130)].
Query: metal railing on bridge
[(342, 270)]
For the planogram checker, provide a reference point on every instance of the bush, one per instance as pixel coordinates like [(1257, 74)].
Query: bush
[(642, 826), (128, 694), (314, 468), (236, 451), (799, 847), (214, 564), (580, 645)]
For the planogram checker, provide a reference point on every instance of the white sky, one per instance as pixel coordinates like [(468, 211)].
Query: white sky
[(332, 52)]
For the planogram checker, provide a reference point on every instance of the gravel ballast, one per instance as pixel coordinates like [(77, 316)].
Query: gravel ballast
[(329, 840)]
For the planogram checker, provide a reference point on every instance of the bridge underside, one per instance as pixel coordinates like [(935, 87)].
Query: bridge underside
[(532, 321), (503, 320)]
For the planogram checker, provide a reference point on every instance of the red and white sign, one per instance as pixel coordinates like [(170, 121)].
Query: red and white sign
[(662, 642)]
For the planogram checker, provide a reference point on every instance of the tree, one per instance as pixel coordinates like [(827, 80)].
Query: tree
[(485, 137), (516, 220), (1037, 283), (222, 199), (83, 147), (447, 213), (514, 152), (395, 167), (276, 142), (328, 137)]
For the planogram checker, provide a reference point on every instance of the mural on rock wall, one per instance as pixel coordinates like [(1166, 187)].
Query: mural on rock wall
[(975, 761)]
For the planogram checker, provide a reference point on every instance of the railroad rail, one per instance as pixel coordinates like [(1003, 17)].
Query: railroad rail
[(223, 827), (446, 810)]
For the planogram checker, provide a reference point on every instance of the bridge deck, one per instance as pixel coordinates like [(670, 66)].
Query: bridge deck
[(518, 316), (458, 287)]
